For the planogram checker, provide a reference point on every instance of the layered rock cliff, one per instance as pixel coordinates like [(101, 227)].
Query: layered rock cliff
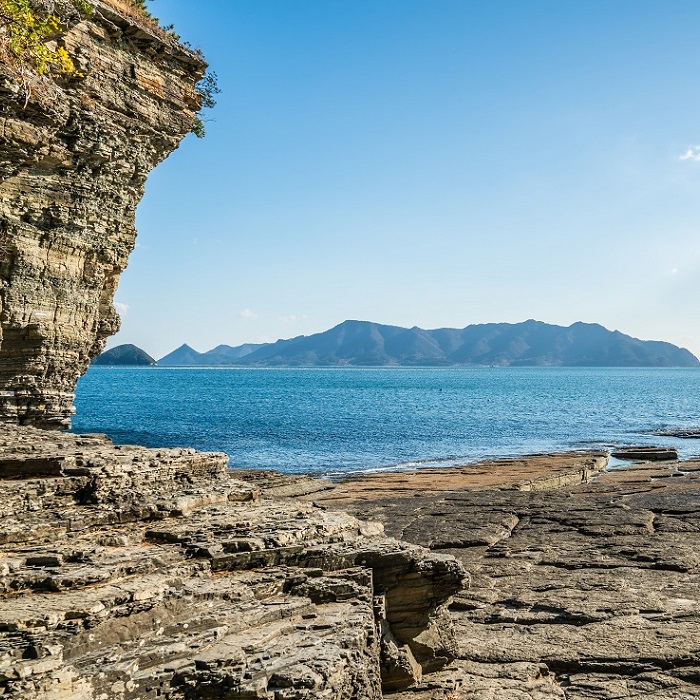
[(73, 164), (128, 573)]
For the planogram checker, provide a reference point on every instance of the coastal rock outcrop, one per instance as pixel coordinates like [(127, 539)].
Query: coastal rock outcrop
[(73, 162), (128, 573), (587, 592)]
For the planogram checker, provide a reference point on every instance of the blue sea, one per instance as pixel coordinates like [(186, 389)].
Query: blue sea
[(334, 421)]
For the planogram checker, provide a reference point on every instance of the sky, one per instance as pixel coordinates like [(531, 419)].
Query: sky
[(427, 162)]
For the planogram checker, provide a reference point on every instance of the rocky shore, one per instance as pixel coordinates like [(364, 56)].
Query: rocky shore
[(128, 573), (587, 592), (133, 573)]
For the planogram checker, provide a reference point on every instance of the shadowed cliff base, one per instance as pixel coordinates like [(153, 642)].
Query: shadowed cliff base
[(74, 156)]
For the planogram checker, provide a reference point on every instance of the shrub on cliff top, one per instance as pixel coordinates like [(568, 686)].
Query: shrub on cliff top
[(27, 42)]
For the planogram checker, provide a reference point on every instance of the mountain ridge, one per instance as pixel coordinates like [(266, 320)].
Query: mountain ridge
[(530, 343)]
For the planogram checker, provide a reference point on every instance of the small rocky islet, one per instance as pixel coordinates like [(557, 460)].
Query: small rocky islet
[(129, 573)]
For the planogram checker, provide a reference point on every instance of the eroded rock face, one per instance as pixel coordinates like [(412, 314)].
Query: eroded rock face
[(128, 573), (73, 163)]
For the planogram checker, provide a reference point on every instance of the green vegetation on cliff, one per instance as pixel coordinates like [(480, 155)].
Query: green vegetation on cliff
[(27, 41), (30, 44)]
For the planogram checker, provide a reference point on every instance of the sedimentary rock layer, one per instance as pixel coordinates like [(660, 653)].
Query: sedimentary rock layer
[(128, 573), (73, 162), (588, 592)]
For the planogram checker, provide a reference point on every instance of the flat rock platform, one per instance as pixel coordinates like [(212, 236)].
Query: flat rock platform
[(584, 583), (129, 573)]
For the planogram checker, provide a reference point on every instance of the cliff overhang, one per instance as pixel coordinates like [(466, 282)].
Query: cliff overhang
[(74, 157)]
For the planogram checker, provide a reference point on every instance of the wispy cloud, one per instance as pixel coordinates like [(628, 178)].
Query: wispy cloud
[(248, 313), (292, 318), (693, 153), (122, 309)]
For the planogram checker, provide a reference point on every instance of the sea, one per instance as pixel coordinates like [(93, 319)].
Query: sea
[(340, 421)]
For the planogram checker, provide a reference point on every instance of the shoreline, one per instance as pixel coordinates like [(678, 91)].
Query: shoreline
[(538, 577), (333, 423)]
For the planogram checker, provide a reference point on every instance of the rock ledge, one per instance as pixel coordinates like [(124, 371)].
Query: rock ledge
[(131, 573)]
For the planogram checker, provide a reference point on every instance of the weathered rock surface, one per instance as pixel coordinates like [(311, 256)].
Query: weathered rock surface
[(687, 433), (589, 592), (645, 453), (73, 163), (131, 573)]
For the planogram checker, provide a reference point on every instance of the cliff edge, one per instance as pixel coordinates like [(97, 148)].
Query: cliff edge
[(74, 158), (128, 573)]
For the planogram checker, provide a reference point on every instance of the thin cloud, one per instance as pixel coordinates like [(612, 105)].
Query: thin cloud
[(292, 318), (122, 309), (248, 313), (693, 153)]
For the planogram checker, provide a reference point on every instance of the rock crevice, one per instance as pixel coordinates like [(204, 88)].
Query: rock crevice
[(128, 573)]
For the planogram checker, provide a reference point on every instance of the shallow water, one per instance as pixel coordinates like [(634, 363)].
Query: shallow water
[(340, 420)]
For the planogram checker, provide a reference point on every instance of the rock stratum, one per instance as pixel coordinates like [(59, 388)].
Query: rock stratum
[(586, 591), (136, 574), (73, 164), (128, 573)]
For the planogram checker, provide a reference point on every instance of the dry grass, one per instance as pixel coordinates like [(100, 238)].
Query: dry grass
[(128, 9)]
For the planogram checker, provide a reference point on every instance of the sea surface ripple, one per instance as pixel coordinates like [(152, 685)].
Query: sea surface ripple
[(340, 420)]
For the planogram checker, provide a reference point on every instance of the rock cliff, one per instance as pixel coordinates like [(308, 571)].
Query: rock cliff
[(128, 573), (73, 164)]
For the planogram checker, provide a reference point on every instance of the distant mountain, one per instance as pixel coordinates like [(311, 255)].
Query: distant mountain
[(226, 355), (527, 344), (184, 356), (124, 355), (222, 355)]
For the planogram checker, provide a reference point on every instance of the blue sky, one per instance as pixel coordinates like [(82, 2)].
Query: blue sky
[(427, 162)]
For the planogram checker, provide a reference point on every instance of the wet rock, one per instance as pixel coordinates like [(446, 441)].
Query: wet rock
[(646, 452), (687, 433)]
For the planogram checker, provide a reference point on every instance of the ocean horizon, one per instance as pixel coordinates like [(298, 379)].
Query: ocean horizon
[(333, 421)]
